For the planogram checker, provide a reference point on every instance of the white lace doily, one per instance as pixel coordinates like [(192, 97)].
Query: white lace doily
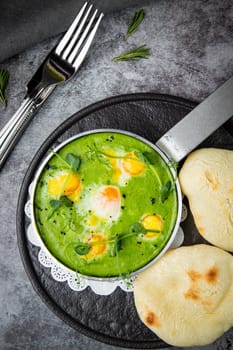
[(76, 281)]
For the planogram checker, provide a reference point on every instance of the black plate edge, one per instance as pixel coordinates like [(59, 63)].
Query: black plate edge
[(20, 216)]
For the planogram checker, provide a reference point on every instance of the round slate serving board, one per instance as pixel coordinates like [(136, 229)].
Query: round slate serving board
[(111, 319)]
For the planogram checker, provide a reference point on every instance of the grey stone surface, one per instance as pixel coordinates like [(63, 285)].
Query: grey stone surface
[(191, 54)]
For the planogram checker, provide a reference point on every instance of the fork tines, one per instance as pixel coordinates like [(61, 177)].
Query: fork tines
[(77, 40)]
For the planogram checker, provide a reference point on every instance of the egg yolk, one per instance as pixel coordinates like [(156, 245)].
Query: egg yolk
[(132, 164), (98, 248), (65, 184), (93, 221), (110, 193), (106, 203), (152, 222)]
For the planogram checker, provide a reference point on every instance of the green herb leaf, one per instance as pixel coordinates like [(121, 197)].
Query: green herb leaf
[(137, 228), (134, 54), (165, 191), (82, 248), (4, 78), (116, 247), (149, 157), (57, 203), (73, 160), (134, 24), (140, 156), (173, 164)]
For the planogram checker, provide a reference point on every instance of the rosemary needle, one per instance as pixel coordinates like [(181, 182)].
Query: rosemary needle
[(4, 77), (134, 54), (134, 24)]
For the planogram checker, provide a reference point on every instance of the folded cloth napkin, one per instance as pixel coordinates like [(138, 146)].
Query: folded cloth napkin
[(26, 22)]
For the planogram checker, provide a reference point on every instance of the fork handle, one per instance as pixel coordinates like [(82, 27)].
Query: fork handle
[(12, 131)]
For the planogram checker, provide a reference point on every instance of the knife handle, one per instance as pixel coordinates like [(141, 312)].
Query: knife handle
[(197, 125), (12, 131)]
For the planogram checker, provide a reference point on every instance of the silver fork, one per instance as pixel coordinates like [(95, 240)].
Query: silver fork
[(60, 65)]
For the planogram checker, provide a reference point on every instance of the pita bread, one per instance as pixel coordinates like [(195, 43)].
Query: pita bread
[(186, 297), (206, 178)]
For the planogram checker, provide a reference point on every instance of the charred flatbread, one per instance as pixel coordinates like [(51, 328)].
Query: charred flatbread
[(206, 179), (186, 297)]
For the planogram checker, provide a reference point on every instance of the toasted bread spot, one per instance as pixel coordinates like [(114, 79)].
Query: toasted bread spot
[(194, 275), (192, 293), (212, 275), (212, 181), (152, 320)]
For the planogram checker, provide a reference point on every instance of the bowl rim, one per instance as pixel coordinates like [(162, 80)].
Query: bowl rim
[(127, 133)]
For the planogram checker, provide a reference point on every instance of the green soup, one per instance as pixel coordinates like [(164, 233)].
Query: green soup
[(105, 204)]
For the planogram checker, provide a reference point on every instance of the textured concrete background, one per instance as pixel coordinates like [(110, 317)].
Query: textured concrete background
[(191, 54)]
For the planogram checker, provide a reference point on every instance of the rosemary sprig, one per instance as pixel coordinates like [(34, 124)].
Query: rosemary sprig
[(4, 78), (134, 54), (134, 24)]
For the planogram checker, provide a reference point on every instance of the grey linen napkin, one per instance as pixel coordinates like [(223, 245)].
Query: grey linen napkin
[(26, 22)]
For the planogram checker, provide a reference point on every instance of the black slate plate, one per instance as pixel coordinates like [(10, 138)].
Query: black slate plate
[(111, 319)]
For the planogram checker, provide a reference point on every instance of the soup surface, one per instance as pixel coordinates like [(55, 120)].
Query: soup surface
[(105, 204)]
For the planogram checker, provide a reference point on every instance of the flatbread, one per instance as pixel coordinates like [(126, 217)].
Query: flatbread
[(186, 297), (206, 178)]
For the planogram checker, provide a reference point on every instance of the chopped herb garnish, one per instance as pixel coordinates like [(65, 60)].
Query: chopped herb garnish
[(4, 78), (133, 54), (165, 191), (149, 157), (82, 248), (116, 247), (73, 160), (57, 203), (137, 228), (134, 24)]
